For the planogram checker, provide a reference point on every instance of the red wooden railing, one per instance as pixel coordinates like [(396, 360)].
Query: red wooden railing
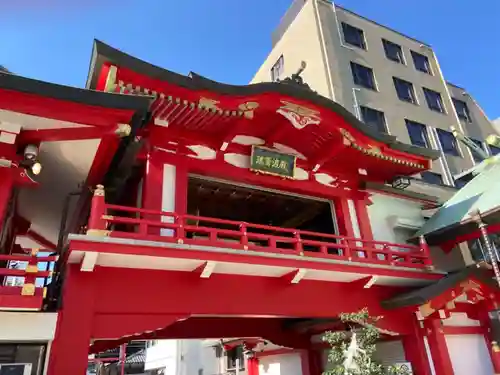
[(12, 295), (144, 224)]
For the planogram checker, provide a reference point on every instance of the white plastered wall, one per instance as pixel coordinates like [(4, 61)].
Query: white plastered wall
[(283, 364), (28, 327), (391, 218), (168, 196)]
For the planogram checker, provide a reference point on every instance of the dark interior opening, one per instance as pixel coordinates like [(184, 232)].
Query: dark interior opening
[(221, 200)]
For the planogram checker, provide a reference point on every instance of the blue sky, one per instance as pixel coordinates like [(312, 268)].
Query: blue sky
[(227, 40)]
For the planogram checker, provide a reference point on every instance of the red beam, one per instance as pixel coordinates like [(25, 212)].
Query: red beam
[(45, 243), (117, 325), (195, 296), (64, 134), (450, 245), (457, 330), (337, 147), (246, 257), (19, 302), (216, 327), (105, 153)]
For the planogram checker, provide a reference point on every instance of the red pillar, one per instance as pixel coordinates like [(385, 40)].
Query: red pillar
[(415, 351), (365, 227), (253, 366), (493, 347), (181, 188), (152, 188), (69, 351), (153, 183), (6, 185), (438, 347), (311, 361), (344, 217)]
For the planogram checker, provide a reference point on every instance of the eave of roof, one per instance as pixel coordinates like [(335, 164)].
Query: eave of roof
[(455, 216), (425, 294), (103, 53), (403, 193), (73, 94)]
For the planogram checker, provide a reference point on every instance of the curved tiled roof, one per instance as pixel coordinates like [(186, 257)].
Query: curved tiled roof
[(103, 53)]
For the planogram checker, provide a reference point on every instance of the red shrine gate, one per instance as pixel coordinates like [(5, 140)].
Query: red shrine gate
[(195, 233)]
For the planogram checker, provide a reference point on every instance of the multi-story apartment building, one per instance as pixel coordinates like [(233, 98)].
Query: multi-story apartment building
[(389, 80)]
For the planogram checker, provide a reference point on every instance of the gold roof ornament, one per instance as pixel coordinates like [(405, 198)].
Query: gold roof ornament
[(209, 103), (298, 115)]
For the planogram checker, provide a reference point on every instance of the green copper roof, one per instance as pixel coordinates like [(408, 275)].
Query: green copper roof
[(481, 193)]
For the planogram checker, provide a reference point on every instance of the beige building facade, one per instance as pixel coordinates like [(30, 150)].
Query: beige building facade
[(387, 79)]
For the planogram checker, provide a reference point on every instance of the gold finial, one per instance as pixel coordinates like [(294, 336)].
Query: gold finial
[(99, 191), (123, 130)]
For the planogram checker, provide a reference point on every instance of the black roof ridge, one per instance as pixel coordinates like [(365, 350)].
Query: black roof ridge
[(73, 94)]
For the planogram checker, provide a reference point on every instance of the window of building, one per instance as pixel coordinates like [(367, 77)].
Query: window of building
[(460, 183), (418, 133), (477, 158), (432, 178), (235, 358), (434, 100), (462, 109), (353, 36), (374, 118), (421, 62), (448, 142), (405, 90), (480, 253), (277, 69), (393, 51), (477, 251), (363, 76), (494, 150)]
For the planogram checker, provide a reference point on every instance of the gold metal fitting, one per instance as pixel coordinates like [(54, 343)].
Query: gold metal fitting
[(98, 232), (31, 268), (99, 191), (28, 290), (123, 130)]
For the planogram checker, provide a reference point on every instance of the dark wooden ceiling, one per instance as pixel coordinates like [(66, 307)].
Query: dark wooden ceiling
[(231, 202)]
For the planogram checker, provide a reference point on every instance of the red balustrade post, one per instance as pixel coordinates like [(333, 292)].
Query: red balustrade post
[(298, 243), (424, 249), (244, 237), (29, 286), (346, 250), (97, 224), (387, 254), (180, 230)]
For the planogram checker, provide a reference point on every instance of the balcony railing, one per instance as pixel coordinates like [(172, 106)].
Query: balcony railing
[(169, 227), (24, 282)]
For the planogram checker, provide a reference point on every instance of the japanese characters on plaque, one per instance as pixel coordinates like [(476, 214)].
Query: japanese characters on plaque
[(264, 160)]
